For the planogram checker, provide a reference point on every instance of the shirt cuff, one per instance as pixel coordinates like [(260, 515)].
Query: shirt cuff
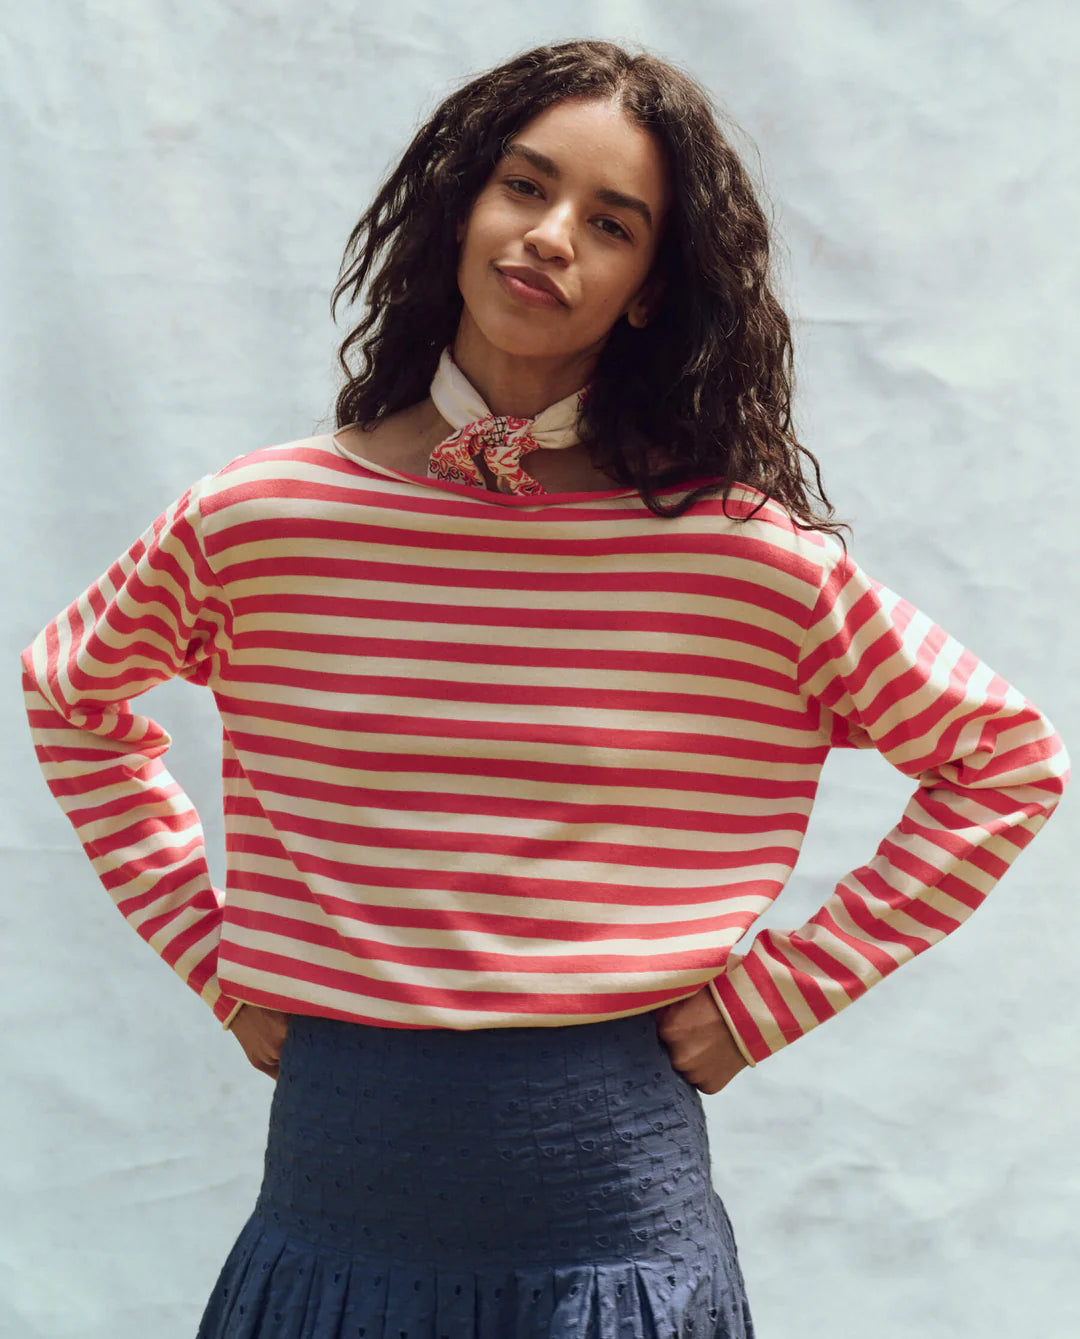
[(731, 1026)]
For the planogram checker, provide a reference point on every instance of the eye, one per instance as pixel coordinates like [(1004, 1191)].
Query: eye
[(620, 231)]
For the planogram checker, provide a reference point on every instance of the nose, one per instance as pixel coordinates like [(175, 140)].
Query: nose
[(552, 233)]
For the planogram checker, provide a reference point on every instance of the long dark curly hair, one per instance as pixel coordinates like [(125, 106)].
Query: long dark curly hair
[(703, 390)]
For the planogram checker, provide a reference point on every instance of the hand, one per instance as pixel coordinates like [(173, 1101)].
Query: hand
[(261, 1032), (699, 1041)]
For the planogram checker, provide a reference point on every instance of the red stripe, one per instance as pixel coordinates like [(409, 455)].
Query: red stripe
[(370, 950), (365, 838), (712, 706), (550, 810), (353, 912), (832, 970), (727, 632), (719, 670), (171, 862), (576, 775), (922, 872), (719, 550), (537, 1001), (121, 806), (782, 1016), (187, 934), (503, 884), (517, 731), (750, 1034), (877, 929)]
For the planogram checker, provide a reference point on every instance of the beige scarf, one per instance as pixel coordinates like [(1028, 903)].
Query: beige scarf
[(502, 438)]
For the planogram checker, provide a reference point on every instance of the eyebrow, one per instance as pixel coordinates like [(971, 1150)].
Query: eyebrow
[(617, 199)]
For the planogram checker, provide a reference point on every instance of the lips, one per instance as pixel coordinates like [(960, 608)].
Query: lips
[(534, 279)]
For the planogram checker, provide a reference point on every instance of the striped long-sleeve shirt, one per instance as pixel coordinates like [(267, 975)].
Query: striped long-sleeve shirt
[(493, 760)]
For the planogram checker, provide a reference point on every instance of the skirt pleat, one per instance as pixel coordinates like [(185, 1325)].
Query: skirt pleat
[(511, 1183)]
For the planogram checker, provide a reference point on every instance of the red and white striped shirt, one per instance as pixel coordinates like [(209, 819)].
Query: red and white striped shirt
[(493, 760)]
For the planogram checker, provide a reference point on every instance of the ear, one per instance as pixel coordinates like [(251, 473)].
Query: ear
[(644, 306)]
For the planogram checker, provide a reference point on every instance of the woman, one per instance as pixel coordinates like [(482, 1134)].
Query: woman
[(527, 675)]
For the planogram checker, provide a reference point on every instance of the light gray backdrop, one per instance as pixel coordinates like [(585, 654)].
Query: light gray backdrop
[(180, 182)]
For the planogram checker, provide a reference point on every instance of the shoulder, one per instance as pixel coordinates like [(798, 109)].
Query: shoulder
[(762, 529), (285, 458), (268, 471)]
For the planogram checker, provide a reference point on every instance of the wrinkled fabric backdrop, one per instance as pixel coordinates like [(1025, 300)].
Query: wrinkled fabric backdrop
[(179, 186)]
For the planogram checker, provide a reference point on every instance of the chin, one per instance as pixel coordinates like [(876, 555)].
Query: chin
[(517, 333), (521, 338)]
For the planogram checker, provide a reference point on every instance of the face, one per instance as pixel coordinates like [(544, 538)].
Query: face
[(581, 196)]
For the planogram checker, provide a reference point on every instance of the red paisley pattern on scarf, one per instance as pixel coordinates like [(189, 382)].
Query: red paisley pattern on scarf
[(503, 440)]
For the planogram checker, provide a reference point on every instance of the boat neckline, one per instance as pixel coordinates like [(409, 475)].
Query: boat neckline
[(505, 499)]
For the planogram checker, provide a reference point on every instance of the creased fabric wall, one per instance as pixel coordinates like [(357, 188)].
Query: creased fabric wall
[(179, 187)]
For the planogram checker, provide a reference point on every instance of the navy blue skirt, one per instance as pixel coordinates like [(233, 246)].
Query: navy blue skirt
[(503, 1183)]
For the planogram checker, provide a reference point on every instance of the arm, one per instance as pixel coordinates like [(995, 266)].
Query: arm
[(990, 769), (158, 612)]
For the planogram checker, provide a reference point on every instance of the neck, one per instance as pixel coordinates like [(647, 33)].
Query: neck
[(514, 384)]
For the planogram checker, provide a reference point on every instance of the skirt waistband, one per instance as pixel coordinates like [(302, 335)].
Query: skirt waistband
[(516, 1144)]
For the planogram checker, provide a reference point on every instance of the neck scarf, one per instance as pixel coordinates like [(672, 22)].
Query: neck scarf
[(502, 438)]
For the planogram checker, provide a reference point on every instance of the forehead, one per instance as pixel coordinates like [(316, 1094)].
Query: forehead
[(598, 143)]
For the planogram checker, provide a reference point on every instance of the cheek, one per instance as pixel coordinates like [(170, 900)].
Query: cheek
[(473, 246), (484, 243), (614, 289), (485, 236), (471, 265)]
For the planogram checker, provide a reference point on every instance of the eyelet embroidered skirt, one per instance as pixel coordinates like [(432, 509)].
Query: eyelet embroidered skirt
[(503, 1183)]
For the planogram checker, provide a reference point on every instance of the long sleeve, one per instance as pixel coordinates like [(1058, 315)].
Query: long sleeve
[(990, 769), (158, 612)]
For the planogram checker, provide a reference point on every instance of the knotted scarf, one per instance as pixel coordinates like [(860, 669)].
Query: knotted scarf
[(502, 438)]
